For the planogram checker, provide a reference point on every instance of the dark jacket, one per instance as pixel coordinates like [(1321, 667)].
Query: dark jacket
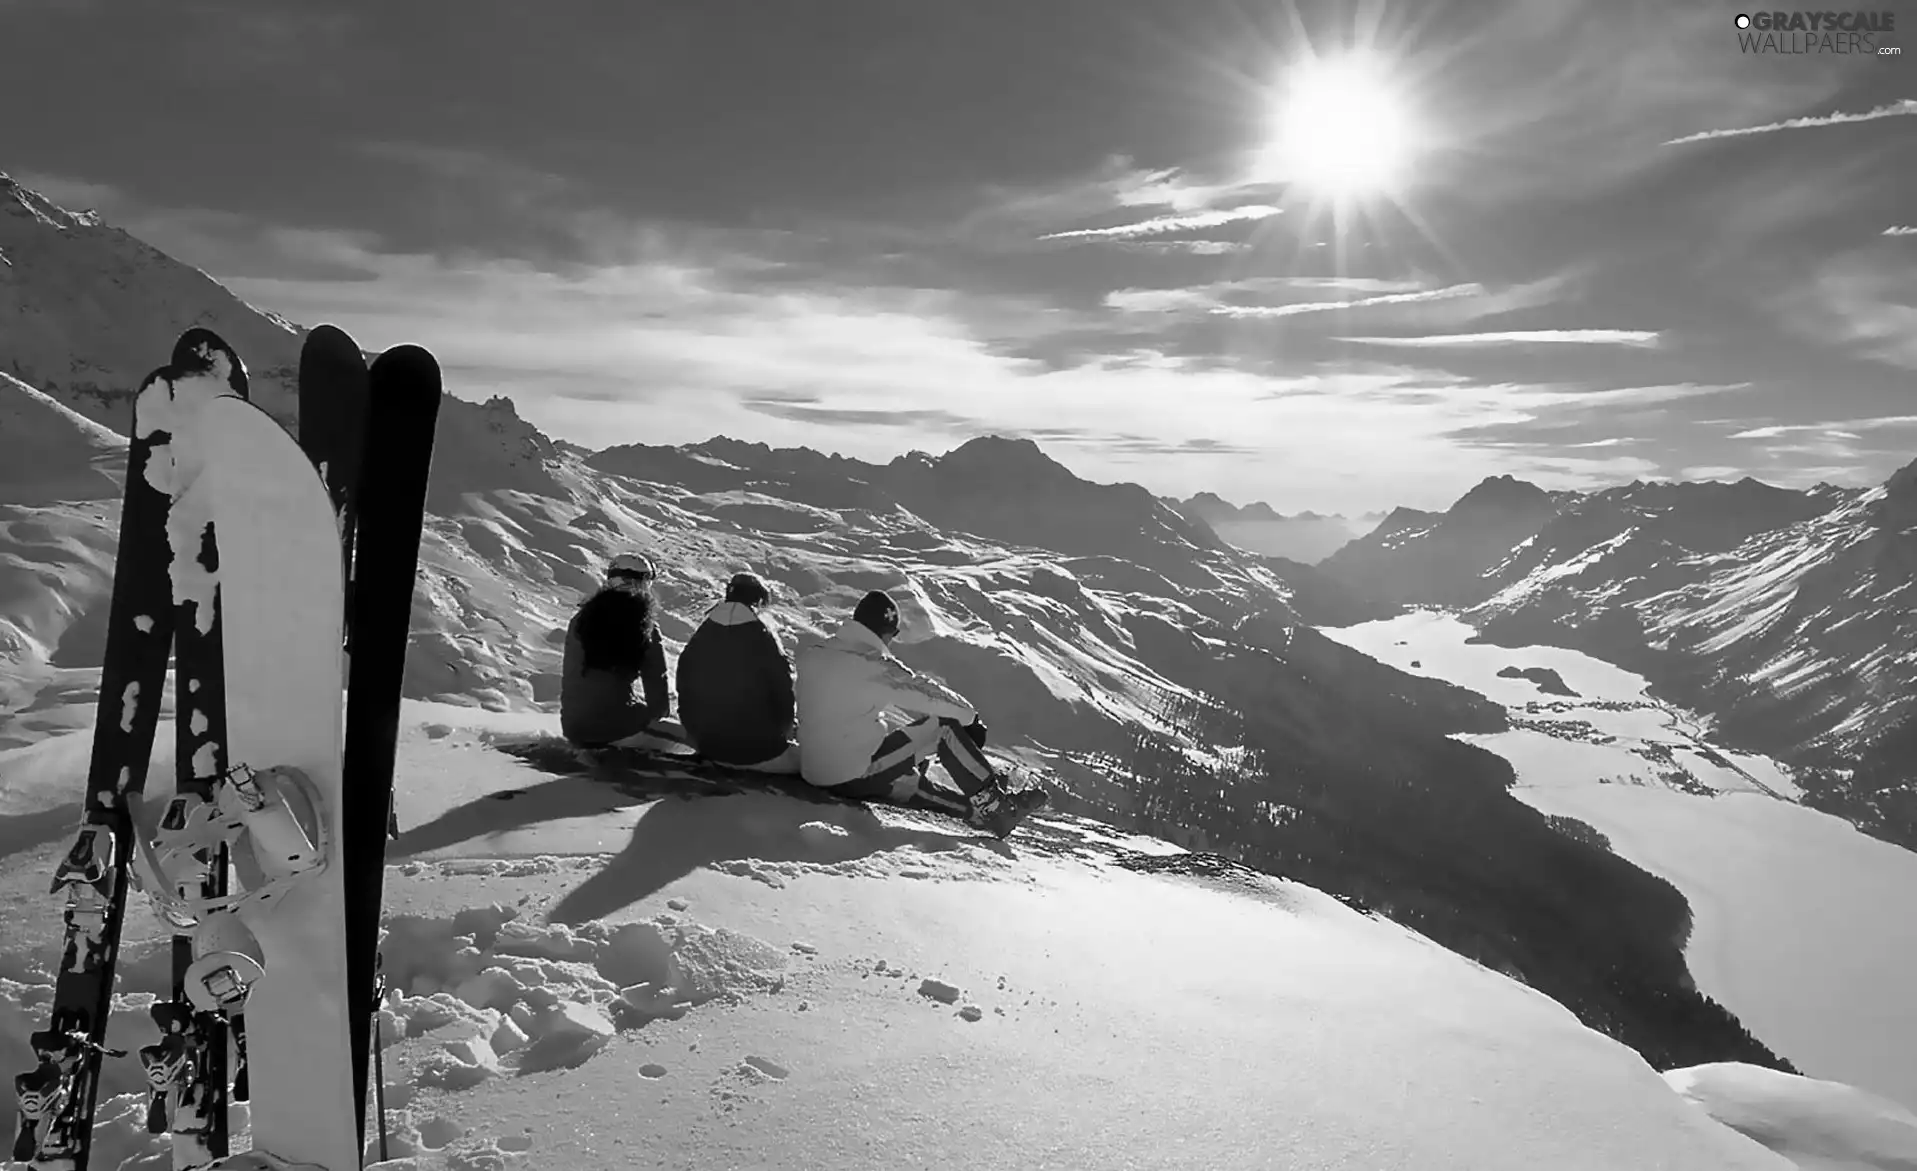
[(612, 643), (735, 687)]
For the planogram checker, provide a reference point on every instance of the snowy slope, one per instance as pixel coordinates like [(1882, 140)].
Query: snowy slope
[(60, 477), (590, 980), (86, 311)]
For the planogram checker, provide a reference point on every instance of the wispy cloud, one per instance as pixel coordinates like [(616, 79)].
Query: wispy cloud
[(1894, 109), (1400, 303), (1450, 292), (1900, 230), (1164, 225), (70, 193), (1861, 299), (916, 418), (1633, 338), (1841, 428), (1188, 247)]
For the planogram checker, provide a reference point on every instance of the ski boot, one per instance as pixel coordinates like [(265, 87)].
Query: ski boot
[(175, 1072), (48, 1131), (998, 808), (166, 1065)]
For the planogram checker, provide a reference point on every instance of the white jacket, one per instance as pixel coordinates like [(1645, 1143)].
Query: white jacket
[(845, 684)]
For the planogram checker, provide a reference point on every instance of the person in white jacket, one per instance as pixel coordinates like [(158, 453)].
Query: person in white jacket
[(848, 683)]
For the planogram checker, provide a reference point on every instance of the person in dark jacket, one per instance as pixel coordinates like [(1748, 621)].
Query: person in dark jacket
[(612, 643), (735, 684)]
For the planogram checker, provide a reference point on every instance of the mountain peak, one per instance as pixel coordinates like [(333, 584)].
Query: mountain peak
[(1003, 457), (25, 202), (1903, 482), (1504, 494)]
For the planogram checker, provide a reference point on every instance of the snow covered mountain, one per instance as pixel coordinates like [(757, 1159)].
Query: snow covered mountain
[(1785, 615), (1442, 558), (1170, 679), (1307, 537), (86, 310)]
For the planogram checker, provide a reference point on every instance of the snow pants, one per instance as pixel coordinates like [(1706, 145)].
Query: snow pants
[(894, 772)]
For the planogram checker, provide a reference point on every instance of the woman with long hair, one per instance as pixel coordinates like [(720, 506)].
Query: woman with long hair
[(612, 643)]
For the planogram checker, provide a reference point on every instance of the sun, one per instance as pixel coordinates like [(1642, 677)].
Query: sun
[(1340, 129)]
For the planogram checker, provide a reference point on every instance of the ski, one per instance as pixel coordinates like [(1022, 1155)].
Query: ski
[(54, 1129), (282, 959), (187, 1069), (332, 411), (395, 459)]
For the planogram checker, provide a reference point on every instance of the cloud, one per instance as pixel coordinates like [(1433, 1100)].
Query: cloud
[(1015, 214), (1896, 109), (1291, 310), (1349, 284), (1862, 301), (1900, 230), (70, 193), (472, 171), (1187, 247), (1158, 300), (1841, 428), (1162, 225), (918, 418), (1633, 338), (1400, 302)]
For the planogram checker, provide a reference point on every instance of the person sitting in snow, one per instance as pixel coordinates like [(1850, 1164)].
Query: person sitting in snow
[(849, 683), (735, 684), (612, 643)]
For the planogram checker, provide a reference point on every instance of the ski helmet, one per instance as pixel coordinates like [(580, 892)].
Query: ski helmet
[(878, 613)]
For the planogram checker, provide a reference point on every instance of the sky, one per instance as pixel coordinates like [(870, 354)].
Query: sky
[(1338, 257)]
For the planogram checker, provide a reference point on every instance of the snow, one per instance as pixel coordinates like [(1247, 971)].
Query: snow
[(1797, 928), (797, 985), (1819, 1125)]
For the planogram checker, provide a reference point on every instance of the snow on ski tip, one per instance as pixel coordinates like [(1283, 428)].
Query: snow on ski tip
[(204, 367)]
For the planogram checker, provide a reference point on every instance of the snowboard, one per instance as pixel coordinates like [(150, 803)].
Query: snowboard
[(282, 607), (187, 1069), (652, 774), (56, 1099), (396, 452)]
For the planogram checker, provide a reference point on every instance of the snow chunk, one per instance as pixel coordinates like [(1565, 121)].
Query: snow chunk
[(566, 1037), (940, 991)]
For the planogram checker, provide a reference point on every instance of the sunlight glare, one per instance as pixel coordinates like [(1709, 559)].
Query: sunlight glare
[(1340, 129)]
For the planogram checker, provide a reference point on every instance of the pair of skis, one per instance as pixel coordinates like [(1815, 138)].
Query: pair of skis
[(165, 597), (234, 553), (370, 433)]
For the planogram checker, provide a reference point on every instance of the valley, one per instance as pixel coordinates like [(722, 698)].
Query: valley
[(1796, 926)]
